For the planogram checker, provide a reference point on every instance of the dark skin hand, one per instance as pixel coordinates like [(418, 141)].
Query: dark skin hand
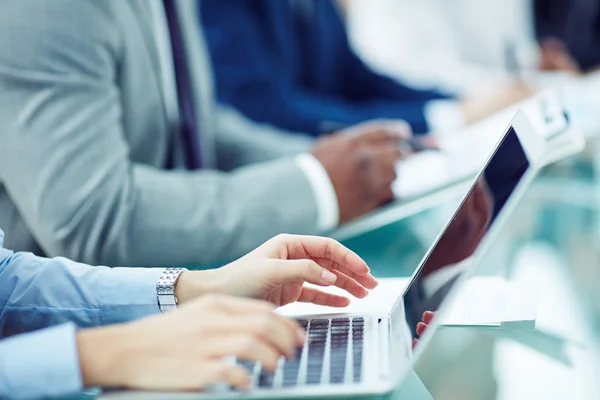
[(361, 163)]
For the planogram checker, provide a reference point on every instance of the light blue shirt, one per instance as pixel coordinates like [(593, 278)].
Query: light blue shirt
[(60, 295)]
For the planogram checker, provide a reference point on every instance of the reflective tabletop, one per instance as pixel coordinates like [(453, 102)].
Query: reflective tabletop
[(552, 237)]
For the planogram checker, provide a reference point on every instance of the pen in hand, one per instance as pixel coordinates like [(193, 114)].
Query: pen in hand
[(418, 144), (512, 61), (414, 144)]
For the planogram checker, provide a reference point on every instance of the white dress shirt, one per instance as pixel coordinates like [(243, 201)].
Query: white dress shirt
[(323, 190)]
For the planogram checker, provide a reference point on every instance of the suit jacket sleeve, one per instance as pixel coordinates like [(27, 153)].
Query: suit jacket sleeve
[(368, 84), (250, 79), (240, 141), (65, 161)]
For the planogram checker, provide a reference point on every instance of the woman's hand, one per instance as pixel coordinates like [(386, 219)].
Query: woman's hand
[(277, 271), (422, 326), (186, 349)]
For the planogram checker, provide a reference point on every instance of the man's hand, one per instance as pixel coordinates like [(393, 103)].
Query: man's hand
[(361, 164), (186, 349), (556, 57), (277, 271), (480, 106)]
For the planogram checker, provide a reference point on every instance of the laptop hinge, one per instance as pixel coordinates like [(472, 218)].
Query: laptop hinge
[(384, 331)]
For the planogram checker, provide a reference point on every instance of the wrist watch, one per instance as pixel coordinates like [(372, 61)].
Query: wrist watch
[(165, 289)]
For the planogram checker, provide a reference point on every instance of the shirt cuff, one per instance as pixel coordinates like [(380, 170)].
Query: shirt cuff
[(328, 213), (40, 364), (129, 294), (444, 116)]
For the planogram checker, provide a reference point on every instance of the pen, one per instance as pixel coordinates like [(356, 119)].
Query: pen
[(413, 144), (417, 144), (512, 60)]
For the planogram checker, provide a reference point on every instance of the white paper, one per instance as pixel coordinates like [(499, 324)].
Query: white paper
[(492, 301), (461, 155), (464, 153)]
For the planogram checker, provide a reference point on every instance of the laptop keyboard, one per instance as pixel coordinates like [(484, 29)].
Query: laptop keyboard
[(323, 359)]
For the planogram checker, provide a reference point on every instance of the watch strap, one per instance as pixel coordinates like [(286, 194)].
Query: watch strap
[(165, 289)]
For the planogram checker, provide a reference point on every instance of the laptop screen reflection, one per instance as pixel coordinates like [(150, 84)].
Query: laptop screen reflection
[(450, 256)]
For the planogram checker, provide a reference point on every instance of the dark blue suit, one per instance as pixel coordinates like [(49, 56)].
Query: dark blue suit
[(299, 73), (576, 23)]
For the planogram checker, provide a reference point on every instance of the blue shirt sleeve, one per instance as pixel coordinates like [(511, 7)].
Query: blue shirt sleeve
[(40, 364), (37, 293)]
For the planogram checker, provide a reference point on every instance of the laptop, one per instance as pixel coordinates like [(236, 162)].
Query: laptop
[(461, 155), (369, 353)]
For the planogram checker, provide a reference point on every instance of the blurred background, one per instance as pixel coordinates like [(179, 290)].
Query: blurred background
[(553, 237), (305, 88)]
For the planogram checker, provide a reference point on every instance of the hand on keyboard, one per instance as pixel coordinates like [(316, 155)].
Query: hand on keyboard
[(277, 271), (189, 348), (333, 354), (196, 345)]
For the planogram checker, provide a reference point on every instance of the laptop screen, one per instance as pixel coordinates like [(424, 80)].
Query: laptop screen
[(450, 255)]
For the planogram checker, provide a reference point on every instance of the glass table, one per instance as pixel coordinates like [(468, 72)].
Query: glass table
[(553, 237)]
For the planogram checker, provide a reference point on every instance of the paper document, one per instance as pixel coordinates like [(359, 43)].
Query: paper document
[(492, 301), (461, 156), (464, 153)]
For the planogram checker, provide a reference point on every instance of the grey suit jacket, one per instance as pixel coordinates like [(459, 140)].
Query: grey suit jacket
[(84, 141)]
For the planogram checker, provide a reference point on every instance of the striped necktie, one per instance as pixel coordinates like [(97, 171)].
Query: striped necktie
[(187, 110)]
